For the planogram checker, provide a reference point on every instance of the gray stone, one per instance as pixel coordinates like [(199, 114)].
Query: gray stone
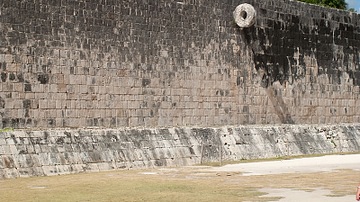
[(198, 145), (245, 15)]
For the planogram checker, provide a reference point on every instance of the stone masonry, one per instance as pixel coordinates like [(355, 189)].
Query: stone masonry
[(25, 153), (145, 63), (89, 85)]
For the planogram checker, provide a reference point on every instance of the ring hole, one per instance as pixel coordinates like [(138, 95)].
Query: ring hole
[(243, 15)]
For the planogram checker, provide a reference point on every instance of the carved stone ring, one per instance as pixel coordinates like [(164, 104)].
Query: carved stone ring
[(245, 15)]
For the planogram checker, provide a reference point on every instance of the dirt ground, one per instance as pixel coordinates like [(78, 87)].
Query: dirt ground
[(331, 178)]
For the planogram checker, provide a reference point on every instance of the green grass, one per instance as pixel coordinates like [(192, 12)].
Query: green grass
[(4, 130)]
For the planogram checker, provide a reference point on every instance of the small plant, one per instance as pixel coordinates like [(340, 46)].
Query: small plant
[(4, 130), (340, 4)]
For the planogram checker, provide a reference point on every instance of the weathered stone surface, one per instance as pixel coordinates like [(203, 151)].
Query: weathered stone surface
[(93, 150), (175, 63), (183, 71), (245, 15)]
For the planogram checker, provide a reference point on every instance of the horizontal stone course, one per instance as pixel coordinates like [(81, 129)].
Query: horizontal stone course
[(64, 151)]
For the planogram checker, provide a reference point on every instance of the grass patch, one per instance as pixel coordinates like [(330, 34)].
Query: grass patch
[(4, 130)]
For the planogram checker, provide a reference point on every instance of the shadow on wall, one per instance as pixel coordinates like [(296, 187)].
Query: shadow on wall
[(289, 48)]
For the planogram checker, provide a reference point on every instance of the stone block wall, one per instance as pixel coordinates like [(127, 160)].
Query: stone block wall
[(82, 63), (308, 60), (25, 153)]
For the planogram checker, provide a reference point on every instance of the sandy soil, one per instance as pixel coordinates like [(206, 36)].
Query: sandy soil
[(330, 163)]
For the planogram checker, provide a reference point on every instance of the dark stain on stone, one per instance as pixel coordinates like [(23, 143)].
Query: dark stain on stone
[(14, 139), (222, 93), (17, 122), (43, 78), (27, 104), (280, 106), (160, 162), (51, 122), (245, 109), (12, 77), (191, 150), (27, 87), (23, 152), (146, 82), (72, 70), (20, 77), (113, 122), (46, 135), (5, 122), (3, 76), (2, 103), (68, 134), (274, 48), (95, 156), (8, 162), (3, 66), (60, 140), (238, 81)]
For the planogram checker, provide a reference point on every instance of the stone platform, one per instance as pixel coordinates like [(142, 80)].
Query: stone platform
[(26, 153)]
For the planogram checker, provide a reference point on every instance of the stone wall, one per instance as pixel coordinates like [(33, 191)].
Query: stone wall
[(26, 153), (81, 63), (70, 68)]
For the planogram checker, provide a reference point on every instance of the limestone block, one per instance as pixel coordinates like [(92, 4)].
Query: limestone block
[(76, 168), (140, 164), (24, 161), (2, 150), (13, 149), (91, 167), (63, 169), (10, 141), (50, 170), (84, 156), (26, 172), (44, 159), (122, 164), (36, 148), (6, 149), (108, 156), (2, 140), (9, 173), (29, 149), (106, 166)]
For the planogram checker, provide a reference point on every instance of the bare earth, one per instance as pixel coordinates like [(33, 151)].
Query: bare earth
[(332, 178), (331, 163)]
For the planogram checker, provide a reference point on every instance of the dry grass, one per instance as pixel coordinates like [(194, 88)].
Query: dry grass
[(182, 184)]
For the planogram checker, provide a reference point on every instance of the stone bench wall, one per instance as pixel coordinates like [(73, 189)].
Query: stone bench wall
[(53, 152)]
